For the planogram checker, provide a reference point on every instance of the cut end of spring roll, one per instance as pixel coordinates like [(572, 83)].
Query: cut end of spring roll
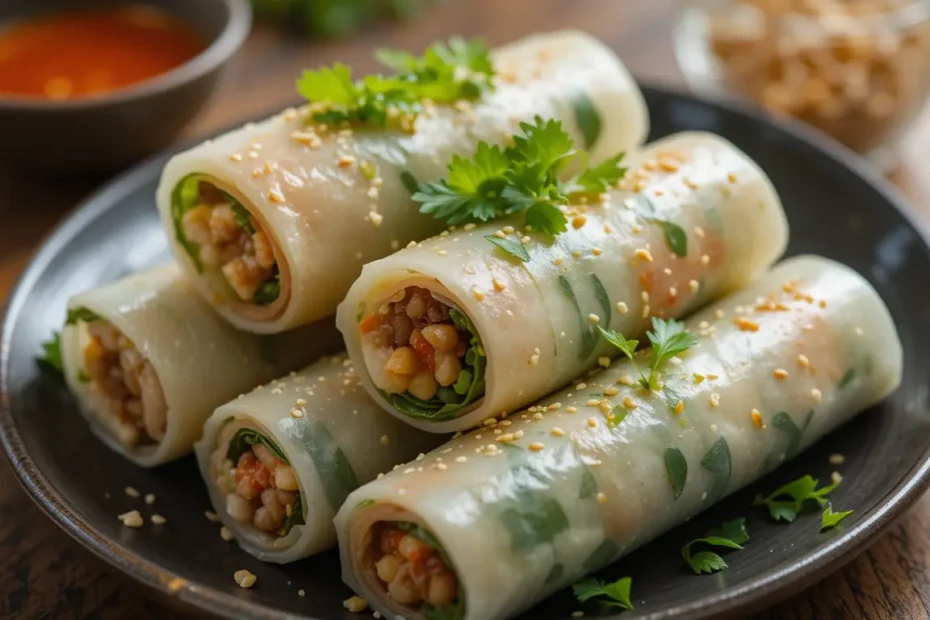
[(590, 473), (273, 222), (452, 331), (279, 461), (149, 361)]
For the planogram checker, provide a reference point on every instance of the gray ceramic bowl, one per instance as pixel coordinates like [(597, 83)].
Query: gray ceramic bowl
[(102, 133)]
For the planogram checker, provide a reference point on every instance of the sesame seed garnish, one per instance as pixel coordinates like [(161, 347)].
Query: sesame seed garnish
[(571, 409), (150, 499), (578, 221), (712, 376), (636, 229), (594, 318), (622, 307), (592, 422), (705, 260), (822, 303), (211, 516), (461, 459), (593, 402), (731, 178), (604, 406), (714, 399), (536, 446), (525, 240), (157, 519), (375, 217), (534, 358), (611, 391), (756, 417), (597, 251), (581, 386), (498, 284), (554, 406), (679, 407), (297, 413), (646, 311), (837, 459), (132, 519), (235, 157), (780, 373), (698, 378), (816, 395), (645, 297), (836, 478), (746, 325), (538, 416), (131, 492), (244, 579), (603, 361), (625, 380), (628, 403), (385, 440), (601, 498), (225, 534), (718, 313), (699, 232), (557, 432), (276, 196), (803, 362), (346, 161), (644, 255), (672, 292), (478, 293)]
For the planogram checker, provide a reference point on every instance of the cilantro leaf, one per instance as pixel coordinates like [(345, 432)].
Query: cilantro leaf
[(597, 179), (511, 247), (831, 519), (547, 218), (668, 338), (468, 175), (675, 236), (731, 535), (799, 491), (243, 217), (333, 84), (617, 594), (81, 314), (543, 143), (626, 346), (52, 357)]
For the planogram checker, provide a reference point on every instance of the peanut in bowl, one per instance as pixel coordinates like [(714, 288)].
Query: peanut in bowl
[(858, 70)]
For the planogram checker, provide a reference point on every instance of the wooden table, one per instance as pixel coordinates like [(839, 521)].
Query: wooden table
[(44, 574)]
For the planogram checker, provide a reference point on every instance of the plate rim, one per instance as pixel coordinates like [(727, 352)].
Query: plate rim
[(776, 584)]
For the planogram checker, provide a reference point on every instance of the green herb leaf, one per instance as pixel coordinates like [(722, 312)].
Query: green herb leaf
[(587, 118), (668, 338), (555, 574), (295, 518), (243, 217), (718, 462), (268, 291), (600, 293), (333, 84), (619, 412), (848, 376), (672, 397), (616, 594), (588, 485), (81, 315), (588, 335), (675, 236), (546, 218), (243, 441), (538, 519), (627, 347), (731, 535), (676, 468), (184, 198), (793, 496), (831, 519), (783, 422), (511, 247), (604, 554), (597, 179), (52, 355), (409, 182)]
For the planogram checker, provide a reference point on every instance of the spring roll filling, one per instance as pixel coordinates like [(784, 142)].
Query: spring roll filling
[(430, 355), (225, 239), (260, 487), (411, 569), (133, 402)]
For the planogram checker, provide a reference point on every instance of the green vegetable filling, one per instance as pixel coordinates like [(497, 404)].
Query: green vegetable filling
[(448, 401), (454, 610)]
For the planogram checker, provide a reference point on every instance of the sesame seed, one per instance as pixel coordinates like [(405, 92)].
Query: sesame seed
[(699, 232), (705, 260), (594, 318), (837, 459), (211, 516), (244, 579), (816, 395), (297, 413), (442, 253), (132, 492), (225, 534), (803, 362), (780, 373), (461, 459), (597, 251), (672, 292), (581, 386), (385, 440), (557, 432), (636, 229), (746, 325), (601, 498), (605, 406), (346, 161), (645, 297), (731, 178), (536, 446), (578, 221), (525, 240), (714, 399), (498, 284), (375, 217), (478, 293), (625, 380), (836, 478), (644, 255), (679, 407), (302, 592), (158, 519), (712, 376), (822, 303), (571, 409), (603, 361), (132, 519), (577, 614), (628, 403), (592, 422), (611, 391), (534, 359), (276, 196), (756, 417), (698, 378), (718, 313), (622, 307), (593, 402), (253, 154), (646, 310), (235, 157), (150, 499)]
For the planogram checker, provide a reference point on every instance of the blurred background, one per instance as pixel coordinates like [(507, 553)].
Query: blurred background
[(858, 70)]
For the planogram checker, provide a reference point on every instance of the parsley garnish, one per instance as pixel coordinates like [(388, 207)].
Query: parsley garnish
[(524, 178), (81, 314), (514, 248), (831, 519), (616, 594), (799, 491), (445, 73), (731, 534), (52, 356), (668, 339)]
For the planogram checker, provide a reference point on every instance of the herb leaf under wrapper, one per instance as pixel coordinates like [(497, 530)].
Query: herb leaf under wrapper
[(718, 462), (587, 118), (588, 336), (676, 468), (511, 247), (784, 423)]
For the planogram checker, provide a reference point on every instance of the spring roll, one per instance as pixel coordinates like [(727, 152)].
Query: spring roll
[(453, 331), (594, 471), (149, 361), (279, 461), (274, 221)]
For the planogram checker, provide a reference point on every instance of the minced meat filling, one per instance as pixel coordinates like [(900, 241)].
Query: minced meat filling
[(411, 570), (266, 490)]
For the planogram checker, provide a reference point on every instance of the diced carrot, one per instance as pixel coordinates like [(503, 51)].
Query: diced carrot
[(423, 349), (370, 323)]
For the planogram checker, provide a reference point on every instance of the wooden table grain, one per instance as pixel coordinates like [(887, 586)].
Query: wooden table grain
[(44, 574)]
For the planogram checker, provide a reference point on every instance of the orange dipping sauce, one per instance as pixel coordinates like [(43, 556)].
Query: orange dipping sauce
[(70, 55)]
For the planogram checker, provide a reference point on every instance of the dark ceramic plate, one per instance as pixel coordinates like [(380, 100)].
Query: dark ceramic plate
[(837, 208)]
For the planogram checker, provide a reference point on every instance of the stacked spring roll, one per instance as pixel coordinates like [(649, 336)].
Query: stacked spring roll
[(274, 221), (149, 361), (495, 520), (452, 331), (280, 461)]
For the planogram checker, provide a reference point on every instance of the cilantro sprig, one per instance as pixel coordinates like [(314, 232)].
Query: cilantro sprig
[(668, 339), (52, 353), (616, 594), (785, 503), (830, 519), (731, 535), (524, 178), (447, 72)]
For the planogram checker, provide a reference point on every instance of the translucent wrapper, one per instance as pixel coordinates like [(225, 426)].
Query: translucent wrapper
[(694, 218), (198, 360), (332, 435), (331, 202), (525, 512)]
